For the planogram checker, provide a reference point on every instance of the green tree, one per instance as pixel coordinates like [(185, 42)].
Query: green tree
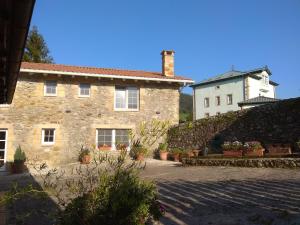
[(36, 49)]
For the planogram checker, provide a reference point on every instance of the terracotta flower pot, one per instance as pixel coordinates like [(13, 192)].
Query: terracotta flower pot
[(86, 159), (104, 148), (139, 157), (232, 153), (256, 152), (279, 149), (176, 157), (163, 155), (18, 167)]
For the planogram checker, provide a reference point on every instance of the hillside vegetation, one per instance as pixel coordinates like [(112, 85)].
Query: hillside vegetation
[(185, 107)]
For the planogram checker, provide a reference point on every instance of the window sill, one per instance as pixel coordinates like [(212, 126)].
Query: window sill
[(47, 144), (84, 96), (48, 95), (126, 110)]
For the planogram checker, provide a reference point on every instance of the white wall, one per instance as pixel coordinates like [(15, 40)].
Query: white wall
[(258, 87), (232, 86)]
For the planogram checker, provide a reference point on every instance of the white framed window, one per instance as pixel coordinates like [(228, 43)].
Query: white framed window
[(3, 148), (229, 99), (111, 137), (218, 100), (84, 90), (48, 136), (217, 87), (126, 98), (50, 88), (206, 102)]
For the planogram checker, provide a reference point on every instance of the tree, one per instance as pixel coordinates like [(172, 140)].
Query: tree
[(36, 49)]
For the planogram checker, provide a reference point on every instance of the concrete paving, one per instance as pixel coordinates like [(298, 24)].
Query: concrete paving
[(226, 195)]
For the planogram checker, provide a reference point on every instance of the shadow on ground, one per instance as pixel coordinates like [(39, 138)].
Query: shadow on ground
[(31, 208), (231, 202)]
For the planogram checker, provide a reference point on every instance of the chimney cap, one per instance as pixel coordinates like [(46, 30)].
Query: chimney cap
[(167, 52)]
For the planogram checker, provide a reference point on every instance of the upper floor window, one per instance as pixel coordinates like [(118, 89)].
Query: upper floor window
[(229, 99), (218, 100), (217, 87), (48, 136), (126, 98), (206, 102), (50, 88), (84, 90), (266, 80)]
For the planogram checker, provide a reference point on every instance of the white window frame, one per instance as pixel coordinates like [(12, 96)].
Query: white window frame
[(113, 137), (5, 147), (206, 105), (45, 88), (126, 99), (79, 91), (227, 99), (43, 137)]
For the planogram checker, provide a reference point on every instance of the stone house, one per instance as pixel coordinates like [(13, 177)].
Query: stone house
[(58, 108), (232, 91)]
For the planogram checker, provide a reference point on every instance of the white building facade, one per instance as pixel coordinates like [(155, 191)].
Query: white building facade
[(232, 91)]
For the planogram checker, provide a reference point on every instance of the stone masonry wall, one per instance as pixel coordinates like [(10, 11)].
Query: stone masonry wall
[(75, 118), (271, 123)]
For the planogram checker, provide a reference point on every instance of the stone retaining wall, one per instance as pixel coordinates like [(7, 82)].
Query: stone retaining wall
[(271, 123), (272, 162)]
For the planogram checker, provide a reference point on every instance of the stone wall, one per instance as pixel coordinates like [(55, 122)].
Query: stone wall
[(75, 118), (271, 123)]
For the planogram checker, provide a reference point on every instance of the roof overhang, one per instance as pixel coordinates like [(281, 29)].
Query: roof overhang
[(109, 76), (15, 16)]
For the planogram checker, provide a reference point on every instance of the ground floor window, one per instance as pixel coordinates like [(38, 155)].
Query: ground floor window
[(109, 138), (3, 143), (48, 136)]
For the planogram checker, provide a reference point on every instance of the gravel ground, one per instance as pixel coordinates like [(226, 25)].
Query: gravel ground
[(215, 195), (226, 195)]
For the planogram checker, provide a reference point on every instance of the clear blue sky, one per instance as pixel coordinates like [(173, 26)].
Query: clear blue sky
[(208, 35)]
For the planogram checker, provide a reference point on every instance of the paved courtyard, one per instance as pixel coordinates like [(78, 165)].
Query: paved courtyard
[(217, 195), (226, 195)]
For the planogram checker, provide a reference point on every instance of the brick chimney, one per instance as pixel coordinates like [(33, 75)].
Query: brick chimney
[(168, 63)]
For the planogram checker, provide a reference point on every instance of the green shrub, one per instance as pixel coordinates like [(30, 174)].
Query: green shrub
[(176, 151), (121, 198), (19, 155), (83, 152), (137, 149), (163, 147)]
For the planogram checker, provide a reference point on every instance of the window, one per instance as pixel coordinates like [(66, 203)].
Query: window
[(122, 137), (206, 115), (104, 137), (206, 102), (48, 136), (112, 137), (217, 87), (229, 99), (126, 98), (218, 100), (84, 90), (50, 88)]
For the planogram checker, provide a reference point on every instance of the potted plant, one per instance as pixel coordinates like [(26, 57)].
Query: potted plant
[(19, 160), (279, 149), (138, 151), (176, 152), (163, 151), (122, 148), (232, 149), (84, 156), (104, 147), (253, 148)]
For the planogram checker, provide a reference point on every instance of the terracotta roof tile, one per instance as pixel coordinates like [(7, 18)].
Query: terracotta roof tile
[(94, 70)]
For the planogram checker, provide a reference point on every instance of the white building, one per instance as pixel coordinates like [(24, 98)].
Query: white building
[(232, 91)]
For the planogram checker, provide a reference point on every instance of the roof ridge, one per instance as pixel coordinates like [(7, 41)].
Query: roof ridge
[(93, 67)]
